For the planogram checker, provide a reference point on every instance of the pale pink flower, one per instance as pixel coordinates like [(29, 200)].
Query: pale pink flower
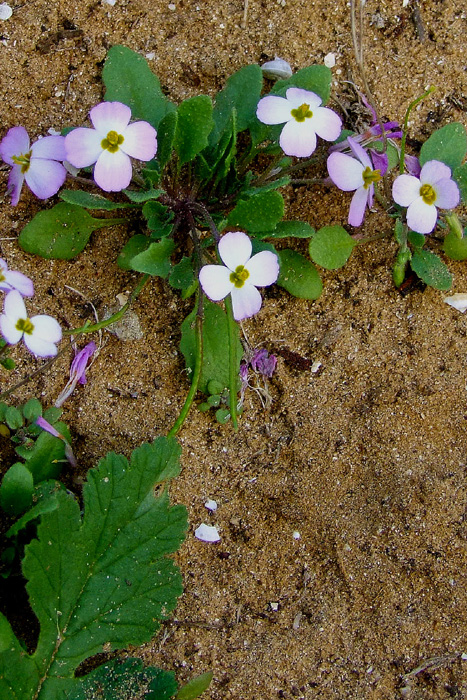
[(40, 333), (12, 279)]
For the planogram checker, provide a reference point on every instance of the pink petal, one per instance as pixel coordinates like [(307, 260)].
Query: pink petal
[(45, 177), (20, 282), (46, 328), (434, 170), (406, 189), (298, 139), (50, 147), (9, 331), (273, 110), (15, 184), (110, 116), (140, 141), (215, 281), (235, 249), (421, 217), (345, 171), (83, 147), (326, 123), (447, 194), (263, 268), (359, 152), (246, 301), (298, 96), (358, 206), (15, 143), (113, 171)]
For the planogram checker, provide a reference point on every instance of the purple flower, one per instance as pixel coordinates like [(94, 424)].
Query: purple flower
[(304, 119), (11, 279), (110, 144), (240, 274), (40, 333), (422, 195), (355, 174), (45, 425), (37, 164), (263, 363), (77, 371)]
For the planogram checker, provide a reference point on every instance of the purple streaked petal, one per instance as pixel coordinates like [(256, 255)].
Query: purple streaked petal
[(413, 165), (15, 184), (421, 217), (273, 110), (345, 171), (447, 193), (263, 268), (50, 147), (298, 139), (80, 361), (326, 123), (215, 281), (434, 170), (9, 331), (83, 147), (15, 143), (380, 161), (405, 190), (359, 152), (234, 249), (297, 97), (110, 116), (45, 177), (113, 171), (358, 206), (246, 301), (20, 282), (140, 141)]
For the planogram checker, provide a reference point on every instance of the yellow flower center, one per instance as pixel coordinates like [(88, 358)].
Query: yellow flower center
[(239, 276), (428, 194), (24, 160), (370, 176), (301, 113), (2, 277), (24, 325), (112, 141)]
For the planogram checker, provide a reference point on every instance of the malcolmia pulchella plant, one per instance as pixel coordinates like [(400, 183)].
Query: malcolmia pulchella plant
[(207, 198)]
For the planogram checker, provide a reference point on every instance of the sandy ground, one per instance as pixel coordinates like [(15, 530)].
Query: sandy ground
[(365, 458)]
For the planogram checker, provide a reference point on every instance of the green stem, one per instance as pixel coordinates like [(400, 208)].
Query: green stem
[(87, 328), (233, 374), (413, 104)]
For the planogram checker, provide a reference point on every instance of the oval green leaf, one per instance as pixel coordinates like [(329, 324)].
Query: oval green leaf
[(431, 269), (448, 144), (331, 247), (298, 275)]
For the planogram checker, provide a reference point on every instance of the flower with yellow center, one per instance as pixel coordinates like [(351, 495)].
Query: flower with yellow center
[(40, 333)]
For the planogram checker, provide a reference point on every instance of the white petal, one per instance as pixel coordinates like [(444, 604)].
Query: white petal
[(235, 249), (434, 170), (447, 194), (457, 301), (45, 177), (421, 217), (39, 347), (50, 147), (83, 147), (110, 116), (215, 281), (297, 97), (140, 141), (246, 301), (211, 505), (20, 282), (298, 139), (345, 172), (263, 268), (358, 206), (326, 123), (406, 189), (359, 152), (9, 331), (14, 306), (207, 533), (113, 171), (46, 328), (273, 110)]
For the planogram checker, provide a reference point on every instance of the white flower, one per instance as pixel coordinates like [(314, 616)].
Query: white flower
[(240, 274), (40, 333), (12, 279)]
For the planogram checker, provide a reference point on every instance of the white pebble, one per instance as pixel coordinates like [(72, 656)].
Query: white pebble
[(296, 535), (207, 533), (457, 301), (110, 2), (277, 69), (5, 11), (330, 60)]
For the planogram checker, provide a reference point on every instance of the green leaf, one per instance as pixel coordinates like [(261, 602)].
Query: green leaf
[(32, 409), (13, 418), (155, 260), (16, 489), (128, 79), (47, 455), (101, 582), (165, 138), (159, 219), (142, 195), (195, 687), (417, 240), (272, 185), (61, 232), (45, 495), (90, 201), (431, 269), (242, 92), (331, 247), (460, 176), (262, 212), (298, 275), (289, 229), (454, 247), (215, 365), (193, 127), (182, 275), (313, 78), (133, 247), (448, 144)]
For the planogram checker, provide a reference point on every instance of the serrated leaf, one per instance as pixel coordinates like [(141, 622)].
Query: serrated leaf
[(242, 92), (16, 489), (448, 144), (460, 176), (331, 247), (195, 687), (61, 232), (194, 124), (313, 78), (215, 346), (298, 275), (101, 582), (128, 79), (155, 260), (90, 201), (431, 269), (454, 247), (262, 212)]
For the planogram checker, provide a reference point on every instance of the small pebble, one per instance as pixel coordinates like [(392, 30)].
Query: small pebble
[(5, 11), (330, 60)]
